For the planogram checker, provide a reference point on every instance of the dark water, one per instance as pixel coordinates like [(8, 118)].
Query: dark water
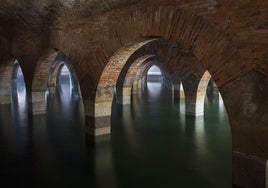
[(151, 145)]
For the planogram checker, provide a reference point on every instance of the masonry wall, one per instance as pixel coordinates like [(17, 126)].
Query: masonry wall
[(229, 38)]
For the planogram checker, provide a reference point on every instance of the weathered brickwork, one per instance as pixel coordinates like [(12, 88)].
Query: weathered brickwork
[(227, 38), (6, 73)]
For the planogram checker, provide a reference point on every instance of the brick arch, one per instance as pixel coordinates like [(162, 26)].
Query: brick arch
[(167, 51), (54, 71), (162, 66), (45, 78), (127, 83), (141, 66), (212, 48), (42, 69), (121, 61)]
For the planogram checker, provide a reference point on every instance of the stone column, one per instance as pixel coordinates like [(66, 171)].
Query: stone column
[(5, 87), (37, 103), (6, 70), (176, 91), (98, 118), (194, 106), (98, 112)]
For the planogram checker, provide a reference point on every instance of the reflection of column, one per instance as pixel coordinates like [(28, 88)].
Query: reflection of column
[(123, 95), (104, 168), (135, 88)]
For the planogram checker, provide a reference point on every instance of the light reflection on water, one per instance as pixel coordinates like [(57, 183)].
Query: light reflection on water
[(152, 145)]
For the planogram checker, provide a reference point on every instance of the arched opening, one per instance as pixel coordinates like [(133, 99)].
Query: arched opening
[(18, 91), (64, 82), (154, 74), (63, 89), (154, 80)]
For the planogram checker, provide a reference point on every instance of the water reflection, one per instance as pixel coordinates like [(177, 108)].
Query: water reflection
[(155, 147)]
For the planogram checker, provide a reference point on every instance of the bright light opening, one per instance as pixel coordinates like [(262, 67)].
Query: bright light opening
[(21, 91), (154, 82), (154, 74), (65, 81), (18, 86)]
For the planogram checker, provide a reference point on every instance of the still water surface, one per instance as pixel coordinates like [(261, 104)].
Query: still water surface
[(152, 145)]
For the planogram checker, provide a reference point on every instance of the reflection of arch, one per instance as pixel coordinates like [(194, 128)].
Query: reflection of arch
[(45, 77)]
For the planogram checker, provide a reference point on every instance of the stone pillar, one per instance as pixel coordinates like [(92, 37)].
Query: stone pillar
[(195, 96), (194, 104), (6, 70), (246, 102), (98, 118), (5, 87), (176, 91), (98, 112), (37, 103), (182, 95)]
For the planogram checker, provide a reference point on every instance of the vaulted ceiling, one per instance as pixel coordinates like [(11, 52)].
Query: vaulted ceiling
[(43, 12)]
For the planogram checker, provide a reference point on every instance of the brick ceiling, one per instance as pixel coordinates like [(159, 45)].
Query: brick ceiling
[(36, 12)]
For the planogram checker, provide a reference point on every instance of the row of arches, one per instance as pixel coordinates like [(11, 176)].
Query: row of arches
[(54, 74)]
